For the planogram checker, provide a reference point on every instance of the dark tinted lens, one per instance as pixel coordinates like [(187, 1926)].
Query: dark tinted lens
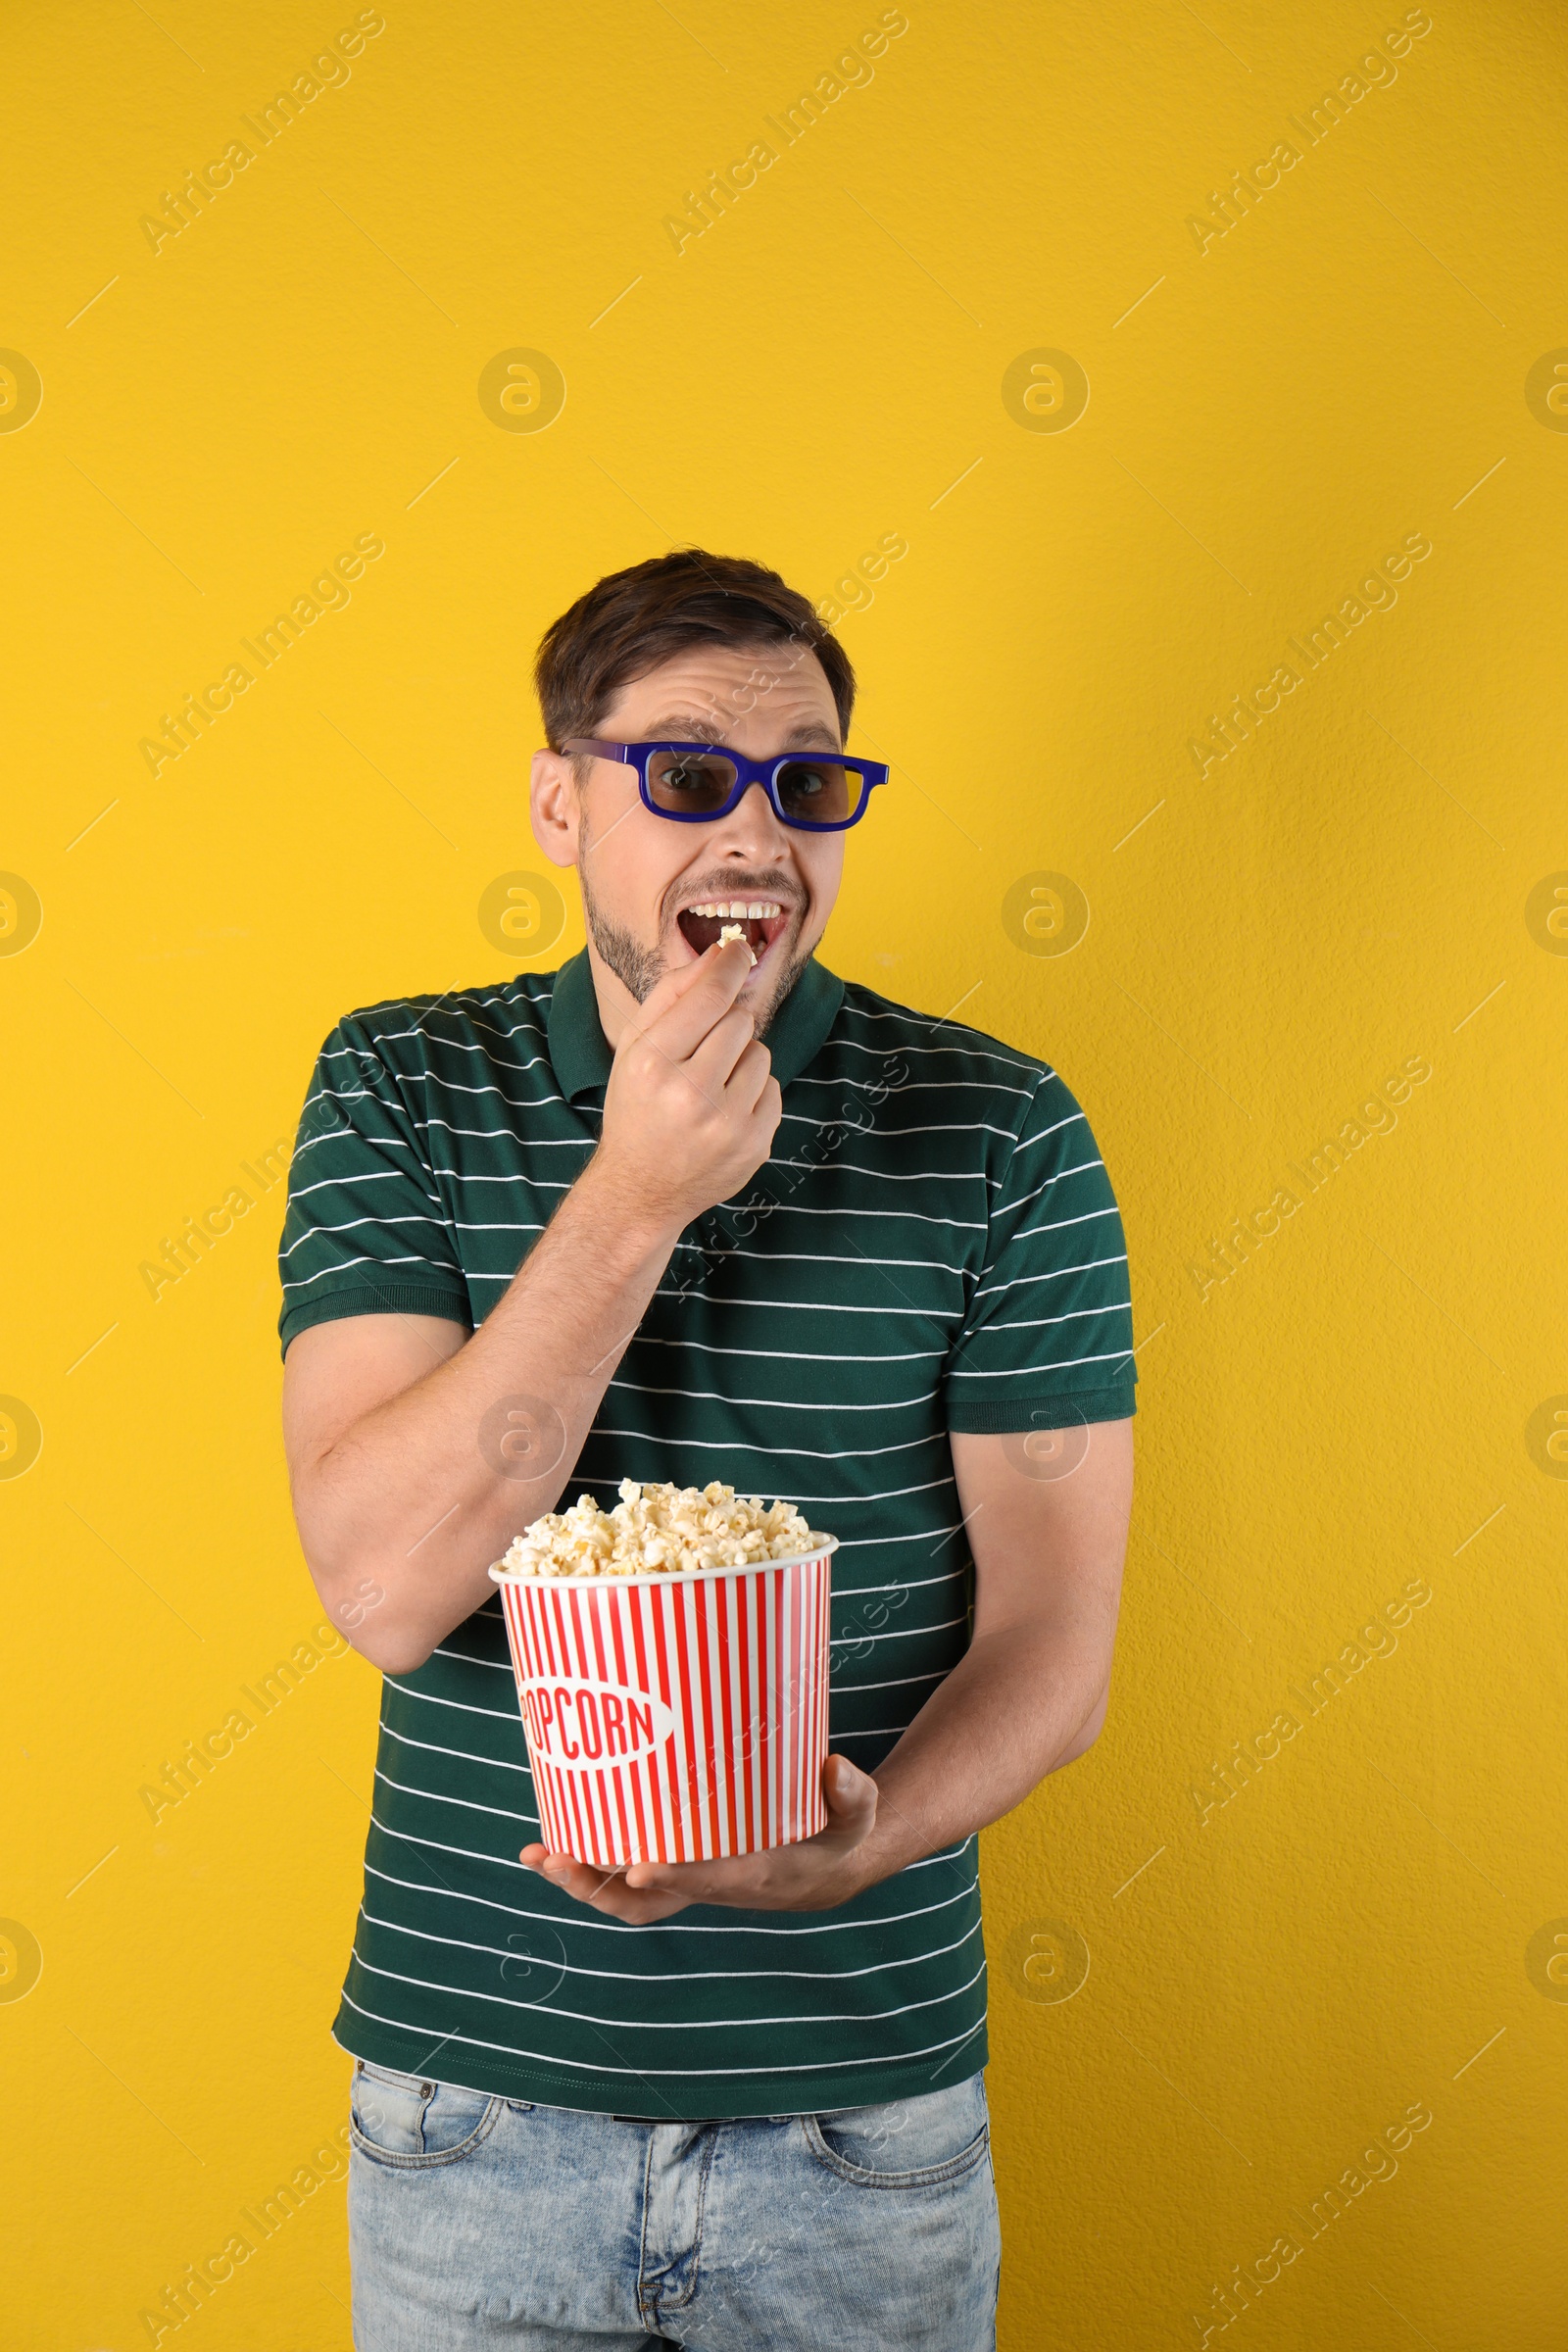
[(694, 783), (822, 792)]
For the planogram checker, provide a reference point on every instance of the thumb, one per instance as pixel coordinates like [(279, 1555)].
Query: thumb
[(670, 990), (850, 1796)]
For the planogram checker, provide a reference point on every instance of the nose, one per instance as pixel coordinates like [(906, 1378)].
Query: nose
[(753, 828)]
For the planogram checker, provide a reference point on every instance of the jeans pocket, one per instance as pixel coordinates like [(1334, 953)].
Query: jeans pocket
[(906, 2143), (410, 2122)]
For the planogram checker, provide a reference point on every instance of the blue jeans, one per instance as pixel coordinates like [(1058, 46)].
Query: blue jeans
[(478, 2222)]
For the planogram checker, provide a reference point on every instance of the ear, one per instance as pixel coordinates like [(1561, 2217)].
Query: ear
[(554, 808)]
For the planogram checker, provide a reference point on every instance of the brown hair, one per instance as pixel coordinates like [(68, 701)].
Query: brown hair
[(630, 621)]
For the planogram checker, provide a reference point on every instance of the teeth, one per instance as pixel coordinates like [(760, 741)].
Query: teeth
[(742, 909)]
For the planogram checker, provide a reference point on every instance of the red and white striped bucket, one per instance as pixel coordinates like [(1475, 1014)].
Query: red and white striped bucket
[(675, 1718)]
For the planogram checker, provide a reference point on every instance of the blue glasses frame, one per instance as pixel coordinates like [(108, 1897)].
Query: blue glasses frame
[(748, 772)]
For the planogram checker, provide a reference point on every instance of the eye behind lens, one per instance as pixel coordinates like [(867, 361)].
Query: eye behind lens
[(822, 791), (691, 779)]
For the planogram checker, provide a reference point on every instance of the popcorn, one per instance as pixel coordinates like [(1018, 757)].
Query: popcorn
[(731, 931), (661, 1527)]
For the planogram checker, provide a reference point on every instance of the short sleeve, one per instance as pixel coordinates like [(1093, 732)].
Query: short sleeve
[(365, 1233), (1049, 1327)]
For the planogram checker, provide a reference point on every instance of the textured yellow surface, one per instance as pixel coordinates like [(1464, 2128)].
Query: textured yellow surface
[(1103, 466)]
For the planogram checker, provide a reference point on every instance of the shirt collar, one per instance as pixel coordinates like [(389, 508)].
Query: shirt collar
[(580, 1053)]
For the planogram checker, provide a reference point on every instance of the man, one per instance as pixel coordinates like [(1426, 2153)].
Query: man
[(692, 1208)]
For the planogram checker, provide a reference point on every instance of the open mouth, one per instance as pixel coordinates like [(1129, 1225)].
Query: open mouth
[(761, 921)]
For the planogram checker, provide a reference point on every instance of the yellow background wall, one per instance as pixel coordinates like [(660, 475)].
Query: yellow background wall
[(1368, 1400)]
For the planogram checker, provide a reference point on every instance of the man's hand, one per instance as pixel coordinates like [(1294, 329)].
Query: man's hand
[(1028, 1696), (815, 1875), (393, 1491), (692, 1107)]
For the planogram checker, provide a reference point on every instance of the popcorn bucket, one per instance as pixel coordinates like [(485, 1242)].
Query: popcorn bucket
[(674, 1717)]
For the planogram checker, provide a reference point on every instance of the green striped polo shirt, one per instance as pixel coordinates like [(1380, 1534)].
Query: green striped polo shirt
[(933, 1245)]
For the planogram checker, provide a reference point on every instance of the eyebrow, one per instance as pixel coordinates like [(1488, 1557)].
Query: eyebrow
[(811, 734)]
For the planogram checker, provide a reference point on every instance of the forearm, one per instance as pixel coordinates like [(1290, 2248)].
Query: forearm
[(1030, 1693), (1023, 1701), (410, 1501)]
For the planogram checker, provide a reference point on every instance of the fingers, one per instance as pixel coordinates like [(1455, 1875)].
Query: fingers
[(770, 1104), (732, 1881), (576, 1877), (675, 984), (604, 1891), (715, 964), (717, 1058), (698, 998), (751, 1078), (572, 1877), (677, 1135), (638, 1910)]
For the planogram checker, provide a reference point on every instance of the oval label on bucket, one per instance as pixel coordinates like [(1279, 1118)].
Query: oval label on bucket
[(586, 1726)]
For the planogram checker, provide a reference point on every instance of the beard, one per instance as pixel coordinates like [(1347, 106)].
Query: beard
[(639, 968)]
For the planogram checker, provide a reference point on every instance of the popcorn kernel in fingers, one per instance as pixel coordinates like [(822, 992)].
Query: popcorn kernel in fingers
[(734, 931)]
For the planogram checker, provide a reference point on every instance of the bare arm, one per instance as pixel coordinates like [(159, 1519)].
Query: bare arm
[(394, 1427), (1029, 1696), (405, 1436), (1032, 1691)]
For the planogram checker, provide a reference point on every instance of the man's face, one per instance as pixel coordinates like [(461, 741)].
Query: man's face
[(641, 874)]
